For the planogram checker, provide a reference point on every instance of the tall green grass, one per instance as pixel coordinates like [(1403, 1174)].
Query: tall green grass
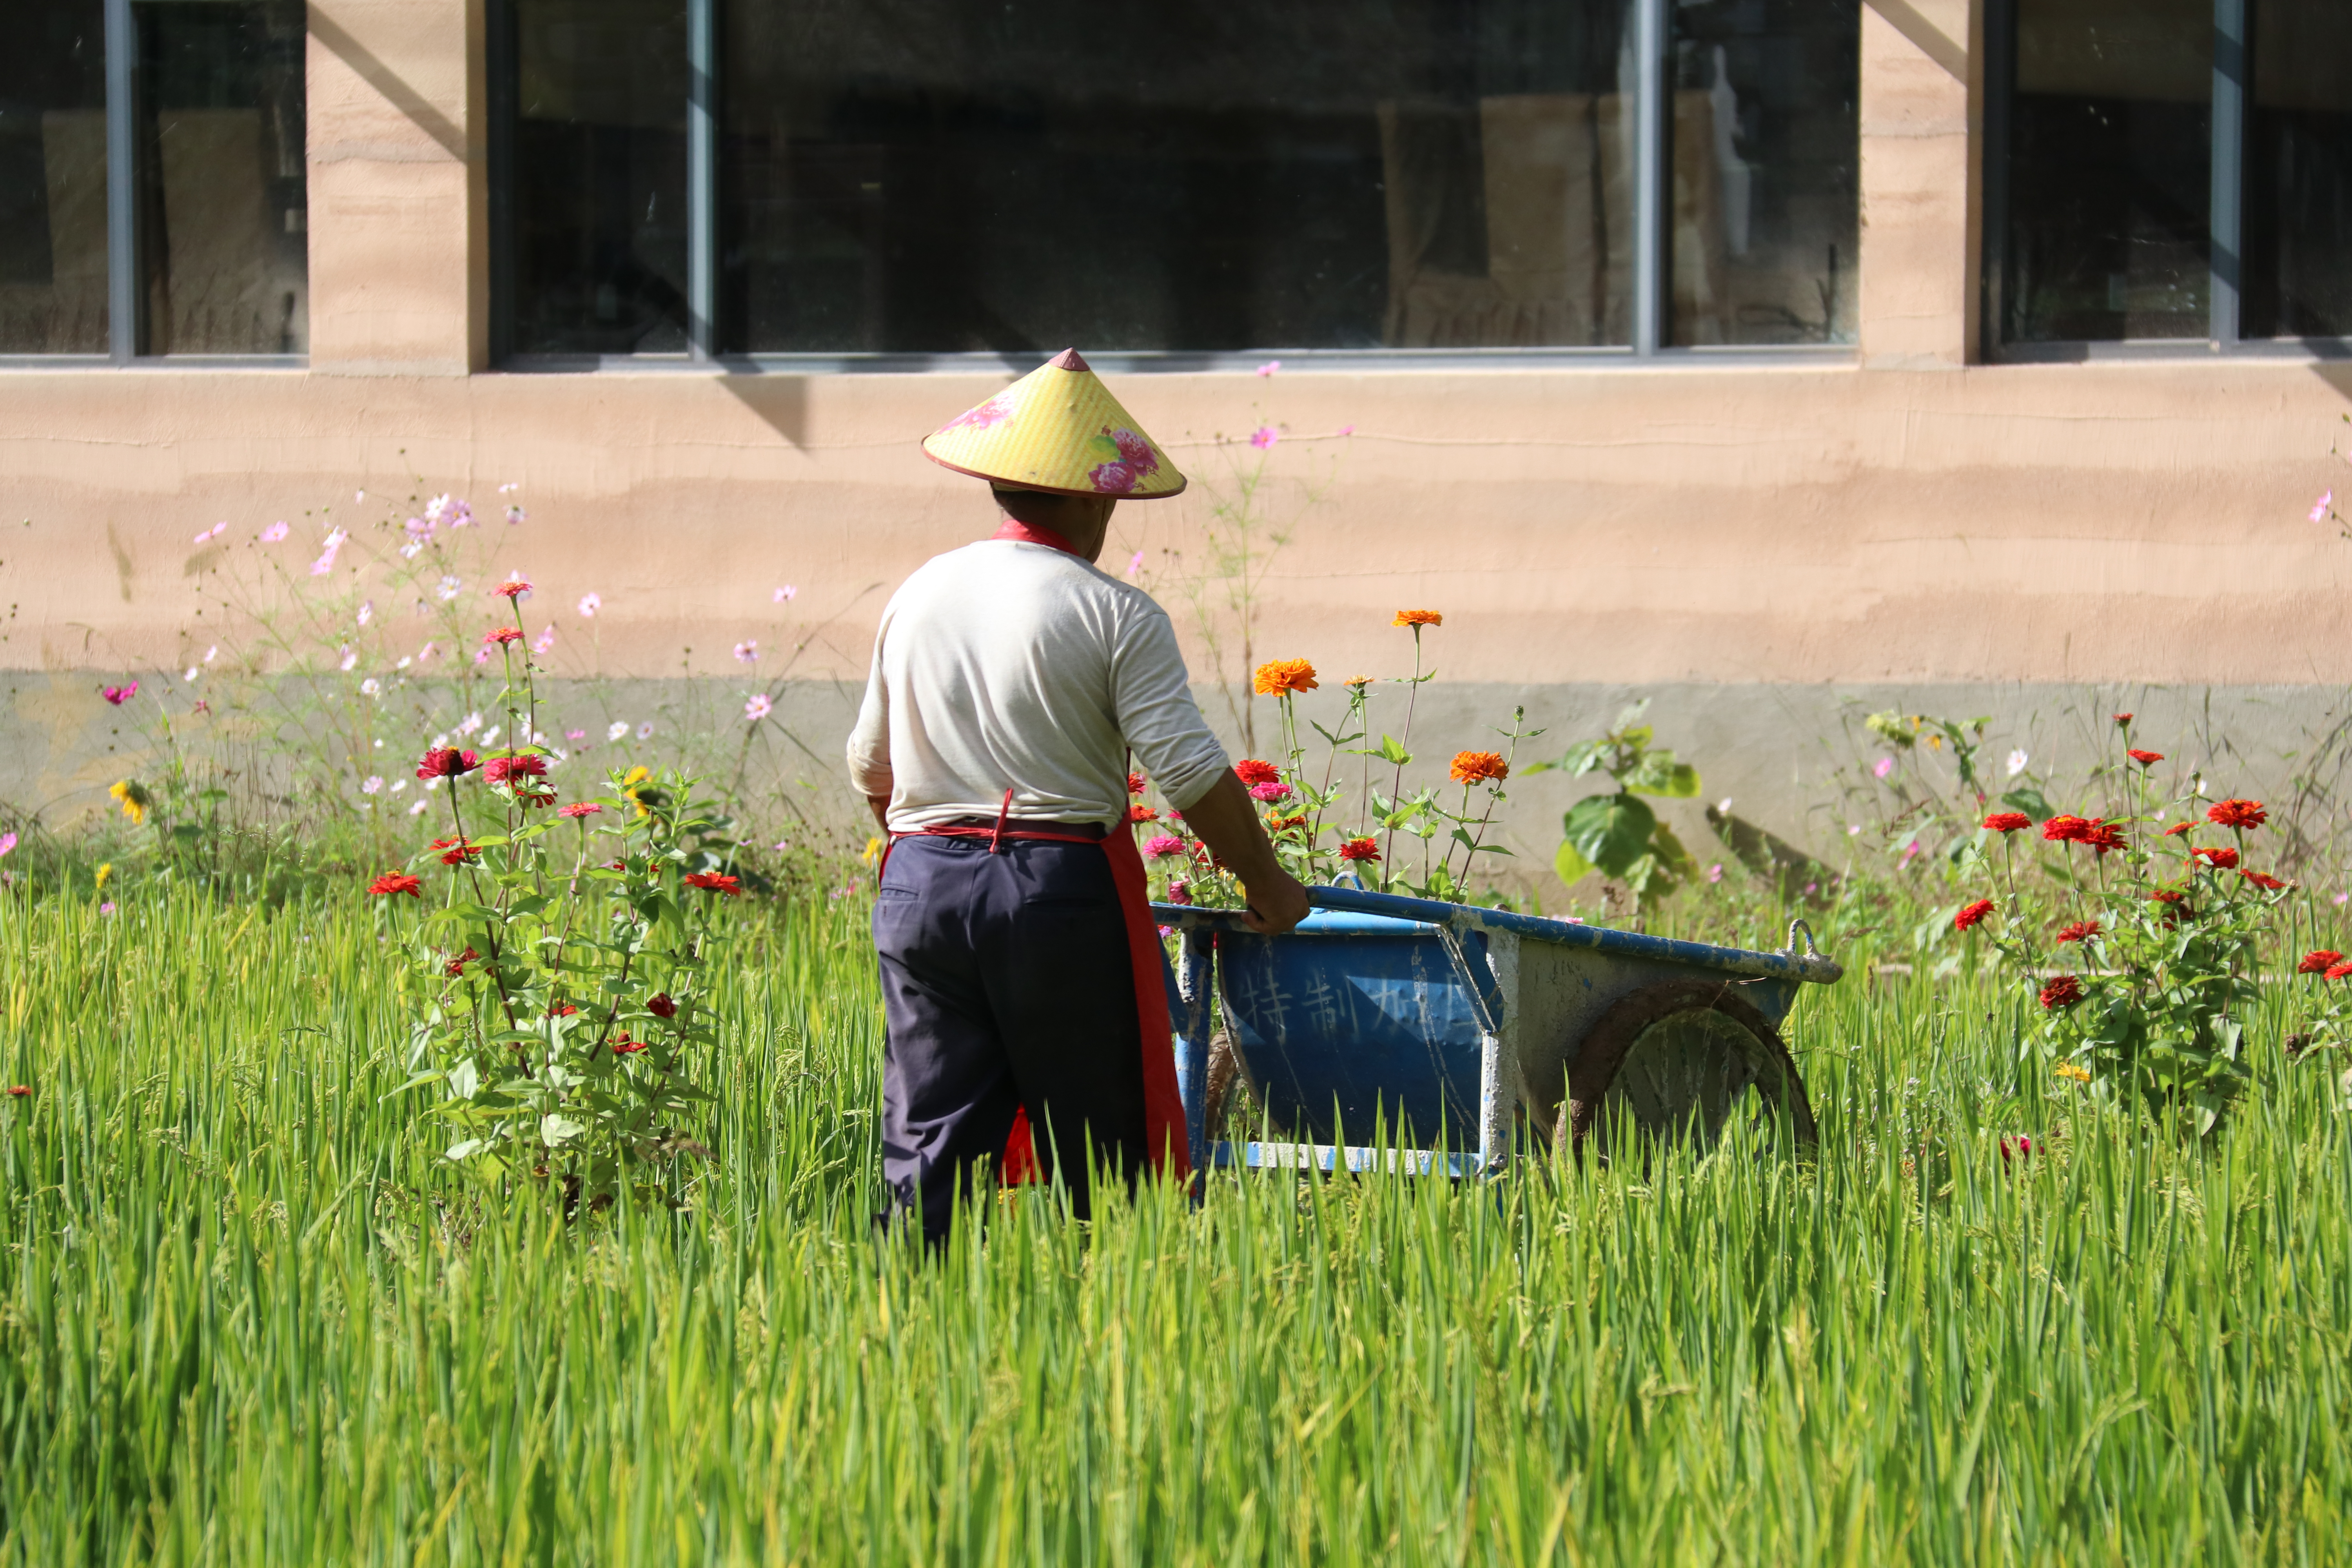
[(242, 1318)]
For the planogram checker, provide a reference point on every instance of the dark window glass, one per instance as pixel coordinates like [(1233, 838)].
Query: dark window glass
[(599, 180), (938, 176), (2298, 233), (1766, 146), (223, 224), (2110, 171), (53, 180)]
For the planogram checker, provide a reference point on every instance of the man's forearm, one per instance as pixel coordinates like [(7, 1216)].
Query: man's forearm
[(1227, 822)]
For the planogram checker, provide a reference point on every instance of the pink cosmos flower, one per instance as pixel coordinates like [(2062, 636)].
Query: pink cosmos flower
[(748, 651), (8, 843), (758, 707), (544, 640), (1885, 766), (1164, 846), (1135, 563), (1346, 429), (119, 695), (1112, 479), (1269, 367), (589, 605), (326, 561), (2319, 509), (215, 531), (785, 594), (1265, 436), (273, 533)]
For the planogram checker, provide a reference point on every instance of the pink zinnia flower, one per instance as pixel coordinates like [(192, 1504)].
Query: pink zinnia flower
[(512, 588), (119, 695), (1164, 846), (503, 635), (1269, 792), (580, 808)]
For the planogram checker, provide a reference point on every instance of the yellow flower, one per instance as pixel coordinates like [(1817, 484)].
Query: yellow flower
[(1281, 677), (105, 870), (132, 797), (629, 782), (2071, 1071), (873, 848)]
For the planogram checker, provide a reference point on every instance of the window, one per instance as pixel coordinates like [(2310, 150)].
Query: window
[(152, 180), (2171, 171), (919, 178)]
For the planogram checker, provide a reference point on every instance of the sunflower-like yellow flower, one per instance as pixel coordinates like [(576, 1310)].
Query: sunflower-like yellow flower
[(132, 797), (629, 782), (873, 850), (105, 870), (1282, 677)]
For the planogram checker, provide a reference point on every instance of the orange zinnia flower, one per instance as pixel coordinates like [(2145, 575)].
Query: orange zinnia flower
[(1477, 767), (1281, 677), (1418, 618)]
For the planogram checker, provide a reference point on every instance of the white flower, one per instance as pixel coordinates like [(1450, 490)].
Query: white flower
[(441, 740), (516, 514), (490, 736), (589, 604), (371, 784), (784, 595), (2017, 760), (399, 784), (646, 730), (367, 612), (450, 588), (418, 809), (193, 672), (758, 706), (472, 723), (370, 687), (405, 662), (620, 727), (210, 651), (435, 508), (509, 487), (350, 660), (413, 549)]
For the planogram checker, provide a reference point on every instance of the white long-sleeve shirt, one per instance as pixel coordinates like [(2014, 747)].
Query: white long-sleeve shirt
[(1011, 665)]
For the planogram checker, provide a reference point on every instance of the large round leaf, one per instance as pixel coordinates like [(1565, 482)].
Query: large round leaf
[(1611, 831)]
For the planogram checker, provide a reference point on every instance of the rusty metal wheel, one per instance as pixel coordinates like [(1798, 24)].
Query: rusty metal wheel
[(1679, 1060)]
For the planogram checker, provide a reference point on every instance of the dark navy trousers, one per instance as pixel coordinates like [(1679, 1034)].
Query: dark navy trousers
[(1007, 982)]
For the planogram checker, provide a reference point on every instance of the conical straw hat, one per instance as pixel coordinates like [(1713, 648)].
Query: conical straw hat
[(1058, 429)]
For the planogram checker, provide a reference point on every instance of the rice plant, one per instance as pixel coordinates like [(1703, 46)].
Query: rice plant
[(247, 1318)]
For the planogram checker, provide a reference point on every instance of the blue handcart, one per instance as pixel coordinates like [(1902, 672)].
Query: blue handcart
[(1417, 1027)]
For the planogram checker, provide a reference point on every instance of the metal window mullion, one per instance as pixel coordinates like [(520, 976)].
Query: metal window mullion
[(702, 178), (2000, 92), (499, 87), (2228, 217), (124, 293), (1653, 175)]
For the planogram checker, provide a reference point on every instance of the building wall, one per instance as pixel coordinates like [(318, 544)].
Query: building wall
[(1799, 528)]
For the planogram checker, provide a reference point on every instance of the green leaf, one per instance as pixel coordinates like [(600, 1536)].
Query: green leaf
[(2029, 800), (1583, 759), (1659, 773), (1393, 753), (1570, 867), (1611, 831)]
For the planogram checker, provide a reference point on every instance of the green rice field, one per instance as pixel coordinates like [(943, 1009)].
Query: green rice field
[(246, 1319)]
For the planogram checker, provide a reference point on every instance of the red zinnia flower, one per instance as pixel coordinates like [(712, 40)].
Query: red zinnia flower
[(2177, 829), (2022, 1146), (2239, 814), (1140, 812), (1359, 849), (1252, 771), (19, 1090), (627, 1046), (2105, 835), (1972, 914), (2008, 821), (395, 882), (529, 799), (2262, 879), (2338, 971), (2081, 931), (2224, 859), (1135, 784), (715, 882), (2167, 896), (661, 1007), (2145, 759), (2318, 961), (2123, 717), (506, 770), (2066, 830), (457, 966), (459, 852), (445, 763), (563, 1010), (2062, 992), (580, 808)]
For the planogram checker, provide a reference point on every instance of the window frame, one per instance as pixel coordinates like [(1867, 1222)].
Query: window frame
[(1653, 213), (2232, 66), (126, 299)]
